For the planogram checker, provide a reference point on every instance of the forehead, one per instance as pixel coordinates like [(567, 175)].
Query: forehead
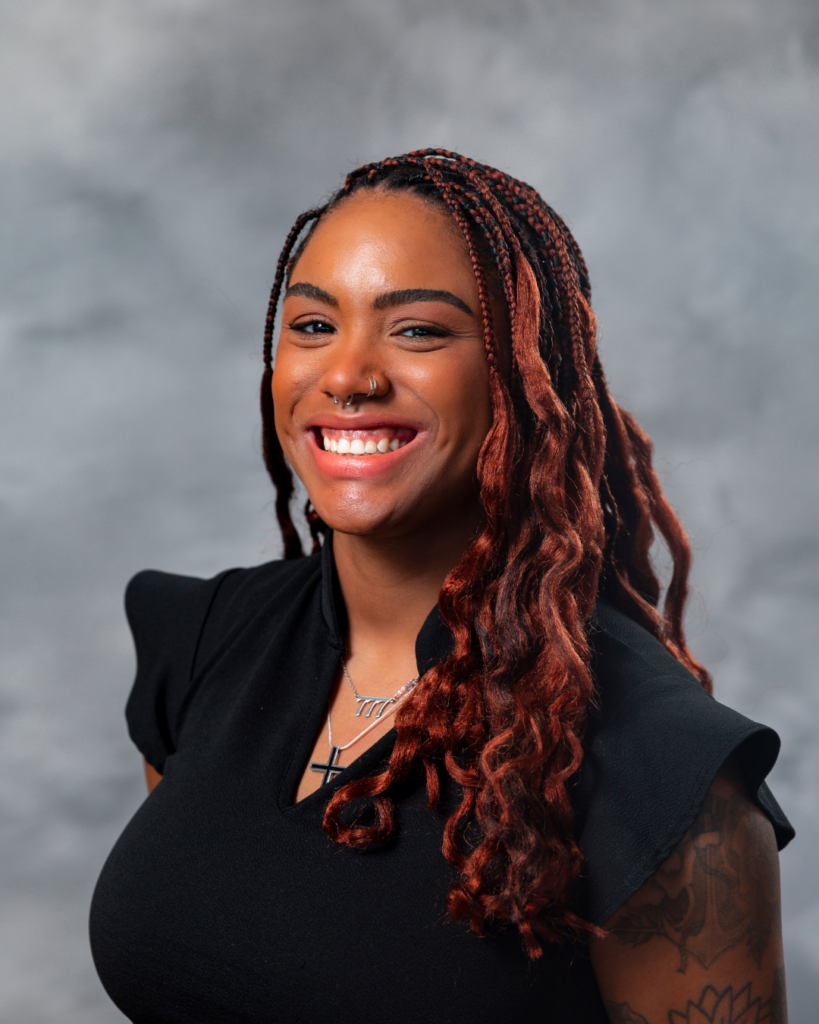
[(386, 239)]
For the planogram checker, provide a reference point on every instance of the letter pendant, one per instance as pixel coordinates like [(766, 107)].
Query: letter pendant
[(370, 704)]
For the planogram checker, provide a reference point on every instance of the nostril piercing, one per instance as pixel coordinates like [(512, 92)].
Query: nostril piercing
[(373, 383)]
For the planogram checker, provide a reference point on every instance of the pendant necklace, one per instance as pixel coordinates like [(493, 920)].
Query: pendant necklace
[(332, 767), (377, 704)]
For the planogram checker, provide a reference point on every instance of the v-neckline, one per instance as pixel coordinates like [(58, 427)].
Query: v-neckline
[(433, 644), (366, 760)]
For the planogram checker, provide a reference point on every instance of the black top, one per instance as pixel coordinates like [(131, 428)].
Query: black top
[(223, 901)]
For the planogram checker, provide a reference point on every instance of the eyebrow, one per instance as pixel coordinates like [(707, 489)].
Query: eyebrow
[(386, 300), (420, 295), (310, 291)]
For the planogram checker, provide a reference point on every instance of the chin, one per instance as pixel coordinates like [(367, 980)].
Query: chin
[(360, 514), (371, 523)]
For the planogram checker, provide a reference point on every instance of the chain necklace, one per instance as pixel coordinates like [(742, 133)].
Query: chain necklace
[(369, 704), (331, 767)]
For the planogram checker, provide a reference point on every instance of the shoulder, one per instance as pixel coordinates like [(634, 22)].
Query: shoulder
[(654, 744), (169, 608), (168, 590), (706, 925), (177, 621), (649, 706), (625, 654)]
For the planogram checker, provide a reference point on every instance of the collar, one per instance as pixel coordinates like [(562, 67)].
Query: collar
[(433, 643)]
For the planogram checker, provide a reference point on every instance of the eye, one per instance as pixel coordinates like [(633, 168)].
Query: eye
[(312, 327), (424, 332)]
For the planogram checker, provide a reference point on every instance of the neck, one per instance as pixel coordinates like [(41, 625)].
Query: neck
[(390, 585)]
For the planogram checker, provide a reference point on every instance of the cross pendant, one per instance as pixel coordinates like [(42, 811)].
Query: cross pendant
[(331, 768)]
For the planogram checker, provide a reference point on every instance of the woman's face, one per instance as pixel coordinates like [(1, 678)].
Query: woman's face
[(384, 289)]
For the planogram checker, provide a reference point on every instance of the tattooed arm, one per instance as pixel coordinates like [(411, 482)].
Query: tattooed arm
[(701, 942)]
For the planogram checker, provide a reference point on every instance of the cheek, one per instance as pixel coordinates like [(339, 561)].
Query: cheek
[(290, 382), (282, 418), (280, 401), (463, 398)]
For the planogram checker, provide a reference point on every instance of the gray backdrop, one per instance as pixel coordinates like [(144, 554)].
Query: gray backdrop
[(153, 156)]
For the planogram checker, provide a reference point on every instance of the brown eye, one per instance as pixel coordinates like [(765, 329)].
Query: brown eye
[(424, 332), (312, 327)]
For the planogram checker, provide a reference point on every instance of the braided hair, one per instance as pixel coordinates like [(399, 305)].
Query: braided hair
[(571, 503)]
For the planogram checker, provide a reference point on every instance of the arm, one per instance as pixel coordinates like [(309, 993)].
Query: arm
[(701, 942), (152, 777)]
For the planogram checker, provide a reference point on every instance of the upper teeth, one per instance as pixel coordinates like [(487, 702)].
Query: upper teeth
[(358, 447)]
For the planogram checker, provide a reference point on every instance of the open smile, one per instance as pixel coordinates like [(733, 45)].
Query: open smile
[(360, 442)]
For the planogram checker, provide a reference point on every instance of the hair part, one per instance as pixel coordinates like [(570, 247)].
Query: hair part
[(571, 505)]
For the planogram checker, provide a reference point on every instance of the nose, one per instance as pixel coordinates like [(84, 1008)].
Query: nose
[(352, 377)]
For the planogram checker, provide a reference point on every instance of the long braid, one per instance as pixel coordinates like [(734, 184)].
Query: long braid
[(571, 501), (272, 452)]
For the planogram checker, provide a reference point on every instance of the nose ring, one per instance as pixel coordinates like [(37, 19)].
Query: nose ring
[(373, 388)]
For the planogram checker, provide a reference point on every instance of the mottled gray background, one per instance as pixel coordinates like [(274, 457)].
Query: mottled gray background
[(154, 154)]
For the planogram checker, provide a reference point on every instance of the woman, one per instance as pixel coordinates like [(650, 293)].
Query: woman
[(467, 707)]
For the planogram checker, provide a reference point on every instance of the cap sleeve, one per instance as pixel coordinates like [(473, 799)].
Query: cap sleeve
[(166, 614), (654, 745)]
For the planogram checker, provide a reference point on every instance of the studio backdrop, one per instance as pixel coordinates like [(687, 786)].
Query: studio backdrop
[(153, 156)]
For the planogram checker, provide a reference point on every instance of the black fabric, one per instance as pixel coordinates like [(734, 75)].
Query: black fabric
[(653, 745), (223, 901)]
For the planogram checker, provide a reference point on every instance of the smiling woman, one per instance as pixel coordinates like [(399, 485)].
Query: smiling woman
[(354, 313), (468, 710)]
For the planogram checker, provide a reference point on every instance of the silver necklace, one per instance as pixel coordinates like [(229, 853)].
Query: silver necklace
[(331, 767), (377, 704)]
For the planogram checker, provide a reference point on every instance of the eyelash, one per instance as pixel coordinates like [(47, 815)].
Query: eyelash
[(302, 328), (428, 332), (434, 332)]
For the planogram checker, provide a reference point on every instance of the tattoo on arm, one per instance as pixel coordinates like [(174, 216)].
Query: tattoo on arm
[(622, 1013), (713, 1007), (716, 891)]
